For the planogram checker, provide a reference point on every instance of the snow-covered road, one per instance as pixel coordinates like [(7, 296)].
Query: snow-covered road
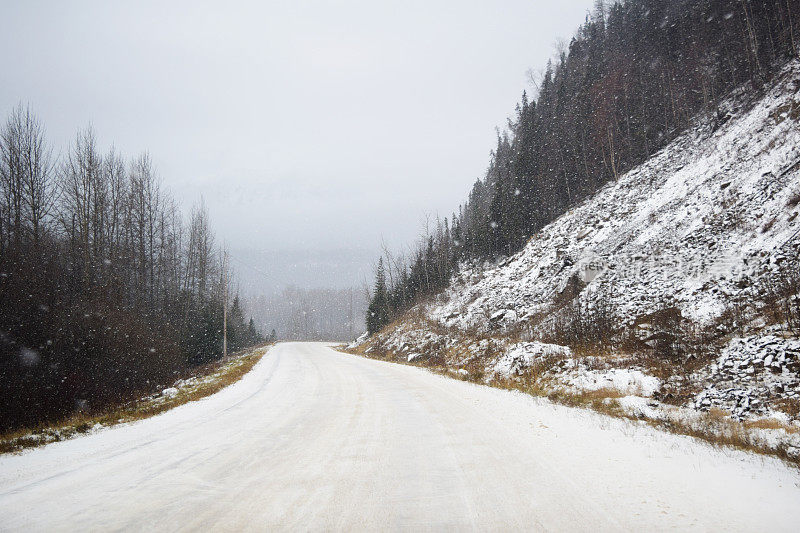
[(313, 439)]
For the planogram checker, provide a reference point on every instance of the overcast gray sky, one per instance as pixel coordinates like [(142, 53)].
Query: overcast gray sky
[(304, 124)]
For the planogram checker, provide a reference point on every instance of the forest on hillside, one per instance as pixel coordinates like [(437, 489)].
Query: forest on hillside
[(632, 78), (105, 292)]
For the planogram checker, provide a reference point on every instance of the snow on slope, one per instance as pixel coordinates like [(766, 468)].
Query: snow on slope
[(691, 227), (700, 225), (750, 372)]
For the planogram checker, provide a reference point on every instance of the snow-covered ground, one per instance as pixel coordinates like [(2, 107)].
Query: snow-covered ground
[(314, 439)]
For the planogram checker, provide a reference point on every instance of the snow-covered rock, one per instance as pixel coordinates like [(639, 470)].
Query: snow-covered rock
[(523, 355), (624, 380), (169, 392), (359, 341), (750, 373)]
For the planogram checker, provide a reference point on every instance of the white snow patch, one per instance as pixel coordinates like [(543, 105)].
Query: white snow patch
[(169, 392), (624, 380), (523, 355)]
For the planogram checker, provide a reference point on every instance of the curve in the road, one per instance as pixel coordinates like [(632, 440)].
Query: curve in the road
[(314, 439)]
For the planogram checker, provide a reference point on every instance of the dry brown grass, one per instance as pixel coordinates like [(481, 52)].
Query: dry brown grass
[(790, 406), (718, 429), (536, 383), (771, 423), (220, 374)]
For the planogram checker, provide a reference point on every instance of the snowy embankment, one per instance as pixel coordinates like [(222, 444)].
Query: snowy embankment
[(209, 379), (700, 231)]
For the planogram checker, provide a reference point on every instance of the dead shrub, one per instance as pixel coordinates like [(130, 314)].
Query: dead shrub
[(665, 336), (781, 294), (587, 326), (794, 199), (736, 315)]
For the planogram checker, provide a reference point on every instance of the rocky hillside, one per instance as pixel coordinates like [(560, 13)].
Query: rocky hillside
[(674, 289), (695, 227)]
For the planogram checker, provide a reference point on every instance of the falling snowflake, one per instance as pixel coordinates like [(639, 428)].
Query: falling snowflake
[(28, 357)]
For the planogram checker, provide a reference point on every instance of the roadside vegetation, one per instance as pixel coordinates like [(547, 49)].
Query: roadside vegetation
[(204, 381), (106, 290)]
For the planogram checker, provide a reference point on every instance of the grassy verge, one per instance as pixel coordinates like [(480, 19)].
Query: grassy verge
[(209, 379), (714, 427)]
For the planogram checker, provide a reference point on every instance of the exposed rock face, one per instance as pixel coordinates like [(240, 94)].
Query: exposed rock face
[(752, 373)]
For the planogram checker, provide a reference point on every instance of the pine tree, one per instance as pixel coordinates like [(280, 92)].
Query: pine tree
[(253, 335), (237, 333), (378, 309)]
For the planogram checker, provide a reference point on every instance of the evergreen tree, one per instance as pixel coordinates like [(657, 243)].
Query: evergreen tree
[(253, 335), (237, 331), (378, 309)]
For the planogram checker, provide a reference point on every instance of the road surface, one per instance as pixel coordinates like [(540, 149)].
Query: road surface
[(313, 439)]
